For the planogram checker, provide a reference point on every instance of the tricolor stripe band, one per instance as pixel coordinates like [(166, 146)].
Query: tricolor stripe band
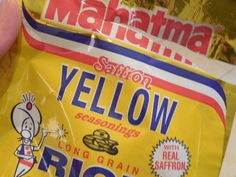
[(169, 77)]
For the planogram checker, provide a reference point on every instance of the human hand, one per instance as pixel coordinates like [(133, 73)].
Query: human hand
[(10, 22)]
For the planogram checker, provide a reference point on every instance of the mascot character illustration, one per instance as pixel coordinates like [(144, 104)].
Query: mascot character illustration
[(26, 119)]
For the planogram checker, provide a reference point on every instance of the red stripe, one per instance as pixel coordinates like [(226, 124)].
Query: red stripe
[(82, 58), (190, 94), (86, 59), (26, 163)]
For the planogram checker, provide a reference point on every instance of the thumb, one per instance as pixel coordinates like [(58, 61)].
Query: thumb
[(10, 22)]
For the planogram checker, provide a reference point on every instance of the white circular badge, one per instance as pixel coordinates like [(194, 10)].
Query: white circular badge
[(170, 158)]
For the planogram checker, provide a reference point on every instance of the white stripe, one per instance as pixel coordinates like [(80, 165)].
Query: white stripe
[(120, 59)]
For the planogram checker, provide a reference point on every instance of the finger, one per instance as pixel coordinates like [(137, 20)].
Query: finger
[(10, 21)]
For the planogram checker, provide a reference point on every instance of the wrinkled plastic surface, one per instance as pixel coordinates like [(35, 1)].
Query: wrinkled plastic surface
[(84, 104), (219, 17), (206, 27)]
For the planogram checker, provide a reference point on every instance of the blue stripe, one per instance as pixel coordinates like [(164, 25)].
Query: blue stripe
[(76, 37)]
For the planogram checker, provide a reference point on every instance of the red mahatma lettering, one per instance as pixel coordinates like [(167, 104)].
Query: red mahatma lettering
[(114, 13), (112, 20), (92, 19), (179, 28), (63, 8)]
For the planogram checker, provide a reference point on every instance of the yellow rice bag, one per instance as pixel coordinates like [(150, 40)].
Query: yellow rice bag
[(75, 102)]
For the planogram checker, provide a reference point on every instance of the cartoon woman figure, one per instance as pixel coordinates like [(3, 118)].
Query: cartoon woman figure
[(26, 119)]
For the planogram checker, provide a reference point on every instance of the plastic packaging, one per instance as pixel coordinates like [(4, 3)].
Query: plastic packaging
[(76, 103), (206, 27)]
